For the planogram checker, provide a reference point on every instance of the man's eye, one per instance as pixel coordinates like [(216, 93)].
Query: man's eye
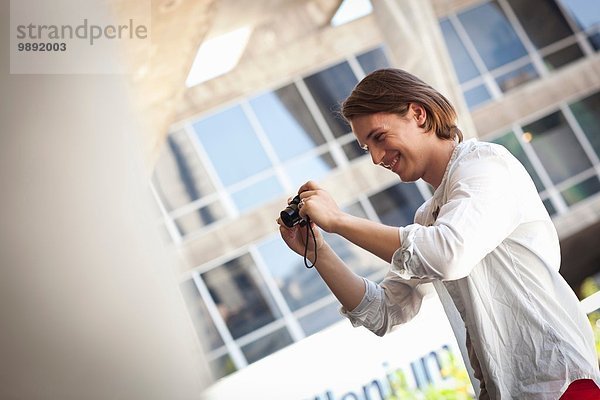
[(380, 137)]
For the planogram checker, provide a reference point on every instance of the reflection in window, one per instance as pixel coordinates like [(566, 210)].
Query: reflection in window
[(476, 96), (493, 36), (179, 176), (516, 78), (232, 145), (267, 345), (587, 113), (463, 64), (396, 206), (287, 122), (241, 296), (329, 88), (510, 141), (586, 13), (207, 332), (582, 190), (321, 318), (312, 168), (542, 20), (257, 193), (298, 285), (556, 146), (203, 216), (373, 60)]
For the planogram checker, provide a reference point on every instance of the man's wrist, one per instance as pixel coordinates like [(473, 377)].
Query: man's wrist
[(340, 223), (321, 253)]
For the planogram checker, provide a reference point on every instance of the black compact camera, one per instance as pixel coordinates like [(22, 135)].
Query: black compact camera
[(291, 215)]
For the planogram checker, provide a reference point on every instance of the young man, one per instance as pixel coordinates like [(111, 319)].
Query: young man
[(484, 240)]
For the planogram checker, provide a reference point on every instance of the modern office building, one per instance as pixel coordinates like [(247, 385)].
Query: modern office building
[(523, 73)]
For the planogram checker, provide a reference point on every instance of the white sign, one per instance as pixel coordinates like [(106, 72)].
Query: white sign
[(346, 363)]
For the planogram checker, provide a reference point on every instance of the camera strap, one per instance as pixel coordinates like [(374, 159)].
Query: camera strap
[(306, 244)]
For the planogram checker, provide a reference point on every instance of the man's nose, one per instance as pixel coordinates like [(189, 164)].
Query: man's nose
[(376, 155)]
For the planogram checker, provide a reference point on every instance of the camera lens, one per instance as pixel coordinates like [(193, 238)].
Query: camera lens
[(290, 215)]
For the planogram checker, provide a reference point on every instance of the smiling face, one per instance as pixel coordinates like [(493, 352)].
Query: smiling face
[(397, 143)]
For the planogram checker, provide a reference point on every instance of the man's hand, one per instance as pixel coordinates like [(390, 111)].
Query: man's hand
[(318, 204)]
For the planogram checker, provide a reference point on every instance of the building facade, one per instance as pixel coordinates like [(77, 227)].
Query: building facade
[(523, 73)]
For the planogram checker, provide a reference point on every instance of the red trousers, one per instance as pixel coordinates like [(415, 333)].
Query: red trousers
[(583, 389)]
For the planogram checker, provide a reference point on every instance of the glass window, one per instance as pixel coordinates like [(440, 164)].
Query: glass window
[(241, 296), (287, 122), (360, 261), (542, 20), (516, 78), (549, 207), (222, 366), (582, 190), (476, 96), (205, 327), (299, 285), (491, 33), (258, 193), (396, 206), (557, 147), (329, 88), (585, 12), (463, 64), (312, 168), (353, 150), (199, 218), (595, 41), (267, 345), (587, 113), (510, 141), (179, 176), (232, 145), (373, 60), (355, 209), (321, 318), (563, 57)]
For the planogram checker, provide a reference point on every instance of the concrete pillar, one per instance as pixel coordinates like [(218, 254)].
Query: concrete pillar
[(89, 303)]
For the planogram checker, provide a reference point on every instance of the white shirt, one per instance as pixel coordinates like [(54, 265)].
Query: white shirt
[(486, 236)]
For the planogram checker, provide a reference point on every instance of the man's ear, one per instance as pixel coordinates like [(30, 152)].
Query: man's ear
[(419, 113)]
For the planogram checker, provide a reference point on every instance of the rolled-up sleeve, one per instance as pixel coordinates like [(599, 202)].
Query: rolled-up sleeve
[(481, 210), (394, 301)]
